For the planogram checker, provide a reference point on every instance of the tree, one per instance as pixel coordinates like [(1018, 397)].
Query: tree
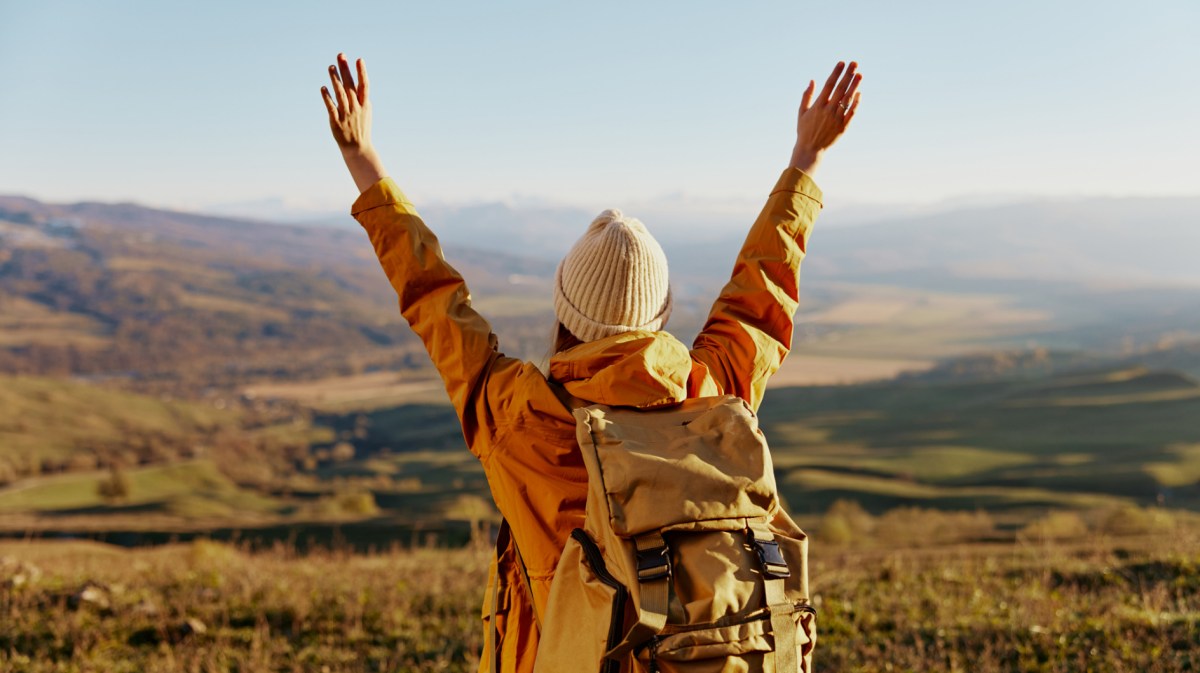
[(114, 488)]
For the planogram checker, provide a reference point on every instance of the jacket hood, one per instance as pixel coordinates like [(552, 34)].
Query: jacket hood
[(633, 369)]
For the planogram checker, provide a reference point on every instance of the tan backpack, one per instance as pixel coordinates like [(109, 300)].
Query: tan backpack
[(686, 561)]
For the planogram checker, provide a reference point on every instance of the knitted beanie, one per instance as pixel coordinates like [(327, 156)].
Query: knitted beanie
[(613, 280)]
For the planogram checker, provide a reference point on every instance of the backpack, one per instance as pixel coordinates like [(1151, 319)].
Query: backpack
[(686, 561)]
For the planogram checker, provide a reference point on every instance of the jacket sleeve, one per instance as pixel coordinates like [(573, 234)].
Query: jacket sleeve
[(749, 329), (435, 302)]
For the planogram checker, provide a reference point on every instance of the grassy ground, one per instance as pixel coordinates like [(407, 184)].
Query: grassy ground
[(1124, 604)]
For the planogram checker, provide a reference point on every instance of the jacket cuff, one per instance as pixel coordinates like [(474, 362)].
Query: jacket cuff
[(383, 193), (796, 180)]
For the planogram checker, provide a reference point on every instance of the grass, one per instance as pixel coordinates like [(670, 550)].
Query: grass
[(1105, 605), (194, 488), (411, 611)]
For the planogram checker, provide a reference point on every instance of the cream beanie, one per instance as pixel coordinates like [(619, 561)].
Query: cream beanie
[(613, 280)]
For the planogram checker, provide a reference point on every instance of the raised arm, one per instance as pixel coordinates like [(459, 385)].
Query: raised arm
[(749, 329), (433, 296)]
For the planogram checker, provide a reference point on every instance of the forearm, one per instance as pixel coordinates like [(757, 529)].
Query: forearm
[(365, 166)]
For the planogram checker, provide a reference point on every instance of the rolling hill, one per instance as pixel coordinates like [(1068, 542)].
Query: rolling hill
[(189, 301)]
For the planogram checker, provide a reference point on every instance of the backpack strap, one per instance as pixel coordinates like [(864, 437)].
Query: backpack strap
[(654, 586), (568, 400), (775, 570)]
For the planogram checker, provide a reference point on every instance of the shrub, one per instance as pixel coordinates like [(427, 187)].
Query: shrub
[(1055, 526), (1136, 521), (914, 527), (845, 522), (358, 503)]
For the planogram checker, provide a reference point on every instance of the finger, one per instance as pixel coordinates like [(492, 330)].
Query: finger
[(338, 92), (828, 89), (844, 84), (849, 95), (333, 115), (362, 82), (347, 76), (852, 108)]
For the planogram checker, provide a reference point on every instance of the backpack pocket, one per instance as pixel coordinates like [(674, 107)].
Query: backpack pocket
[(587, 597), (742, 646)]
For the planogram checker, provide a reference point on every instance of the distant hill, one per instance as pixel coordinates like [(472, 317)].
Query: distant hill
[(127, 291), (1117, 240)]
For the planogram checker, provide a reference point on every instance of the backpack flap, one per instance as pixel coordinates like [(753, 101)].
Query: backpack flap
[(703, 460)]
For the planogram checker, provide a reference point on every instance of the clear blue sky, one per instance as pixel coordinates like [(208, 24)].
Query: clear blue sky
[(192, 104)]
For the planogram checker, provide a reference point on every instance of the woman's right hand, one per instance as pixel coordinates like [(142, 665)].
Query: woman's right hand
[(350, 120), (824, 119)]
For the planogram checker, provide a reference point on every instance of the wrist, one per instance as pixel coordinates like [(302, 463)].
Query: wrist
[(358, 152), (366, 168), (806, 158)]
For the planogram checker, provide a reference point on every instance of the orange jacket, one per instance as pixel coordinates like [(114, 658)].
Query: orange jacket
[(520, 430)]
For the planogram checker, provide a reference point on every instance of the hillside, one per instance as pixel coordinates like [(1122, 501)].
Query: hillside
[(1074, 440), (189, 301), (51, 428)]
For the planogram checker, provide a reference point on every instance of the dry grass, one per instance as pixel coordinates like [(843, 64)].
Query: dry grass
[(1105, 604), (266, 611)]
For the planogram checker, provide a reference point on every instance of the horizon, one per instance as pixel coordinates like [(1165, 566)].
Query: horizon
[(621, 114)]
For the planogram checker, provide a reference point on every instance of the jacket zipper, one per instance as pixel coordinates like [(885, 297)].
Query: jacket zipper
[(596, 561)]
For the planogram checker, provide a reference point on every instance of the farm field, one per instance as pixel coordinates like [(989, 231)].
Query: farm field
[(1103, 604)]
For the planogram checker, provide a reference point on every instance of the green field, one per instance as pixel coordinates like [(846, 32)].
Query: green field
[(190, 489), (1076, 441)]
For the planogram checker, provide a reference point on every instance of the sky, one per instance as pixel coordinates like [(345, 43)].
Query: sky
[(199, 105)]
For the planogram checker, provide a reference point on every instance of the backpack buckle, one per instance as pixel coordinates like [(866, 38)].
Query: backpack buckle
[(769, 557), (653, 563)]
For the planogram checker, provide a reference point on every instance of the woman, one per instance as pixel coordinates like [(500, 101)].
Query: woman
[(612, 300)]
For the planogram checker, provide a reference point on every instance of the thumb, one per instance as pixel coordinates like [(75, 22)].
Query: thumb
[(806, 100)]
